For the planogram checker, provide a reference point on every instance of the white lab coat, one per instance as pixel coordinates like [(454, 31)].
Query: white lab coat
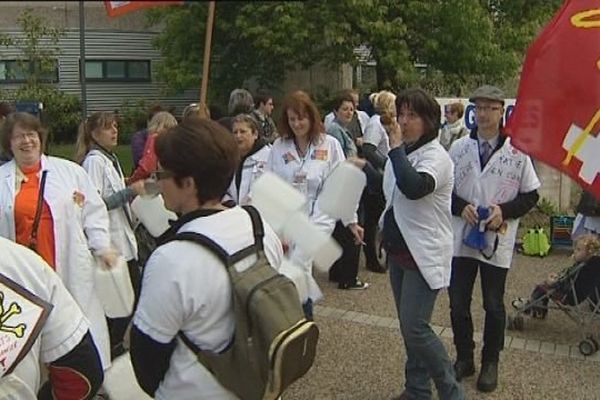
[(425, 223), (109, 181), (507, 173), (376, 135), (252, 168), (321, 158), (78, 228)]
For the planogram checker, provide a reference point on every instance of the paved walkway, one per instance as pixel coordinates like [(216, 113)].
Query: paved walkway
[(532, 345)]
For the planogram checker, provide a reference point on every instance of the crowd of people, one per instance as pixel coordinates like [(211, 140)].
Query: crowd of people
[(427, 185)]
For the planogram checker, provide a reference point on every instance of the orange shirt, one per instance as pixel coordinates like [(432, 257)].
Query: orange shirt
[(25, 207)]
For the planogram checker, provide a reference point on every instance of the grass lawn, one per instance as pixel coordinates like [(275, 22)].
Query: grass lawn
[(67, 151)]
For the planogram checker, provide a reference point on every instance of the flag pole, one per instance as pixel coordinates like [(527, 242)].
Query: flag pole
[(207, 43), (82, 82)]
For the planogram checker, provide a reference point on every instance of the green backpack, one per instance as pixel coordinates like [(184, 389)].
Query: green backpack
[(536, 243), (273, 343)]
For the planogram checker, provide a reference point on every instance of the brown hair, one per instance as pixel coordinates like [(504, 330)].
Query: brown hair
[(456, 108), (203, 150), (341, 97), (425, 106), (26, 121), (300, 103), (85, 140)]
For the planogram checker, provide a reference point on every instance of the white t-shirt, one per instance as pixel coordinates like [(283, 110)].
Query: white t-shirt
[(425, 222), (376, 135), (66, 324), (507, 173), (186, 288)]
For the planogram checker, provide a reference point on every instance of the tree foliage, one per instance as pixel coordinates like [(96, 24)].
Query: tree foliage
[(38, 50), (461, 42)]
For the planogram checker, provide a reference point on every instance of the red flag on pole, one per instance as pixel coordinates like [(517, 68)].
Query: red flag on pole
[(118, 8), (557, 113)]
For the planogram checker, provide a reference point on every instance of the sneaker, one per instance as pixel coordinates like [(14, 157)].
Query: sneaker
[(356, 285)]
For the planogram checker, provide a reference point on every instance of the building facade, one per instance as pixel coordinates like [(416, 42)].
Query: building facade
[(119, 57)]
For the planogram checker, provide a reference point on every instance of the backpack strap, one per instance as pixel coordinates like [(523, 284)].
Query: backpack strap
[(257, 225), (206, 242)]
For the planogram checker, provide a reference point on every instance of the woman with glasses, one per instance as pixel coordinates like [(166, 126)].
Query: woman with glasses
[(96, 140), (51, 206), (254, 153)]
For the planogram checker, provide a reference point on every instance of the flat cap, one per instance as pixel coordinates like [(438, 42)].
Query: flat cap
[(487, 92)]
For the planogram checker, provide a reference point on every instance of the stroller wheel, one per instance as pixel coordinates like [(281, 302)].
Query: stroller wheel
[(516, 323), (595, 343), (586, 347)]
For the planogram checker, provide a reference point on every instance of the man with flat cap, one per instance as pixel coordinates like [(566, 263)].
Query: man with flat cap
[(494, 185)]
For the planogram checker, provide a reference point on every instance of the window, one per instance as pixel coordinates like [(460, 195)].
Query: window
[(117, 70), (17, 71)]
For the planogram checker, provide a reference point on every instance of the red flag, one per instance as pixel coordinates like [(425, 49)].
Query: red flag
[(118, 8), (556, 116)]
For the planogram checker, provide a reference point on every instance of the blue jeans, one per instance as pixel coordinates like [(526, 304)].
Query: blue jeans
[(426, 356)]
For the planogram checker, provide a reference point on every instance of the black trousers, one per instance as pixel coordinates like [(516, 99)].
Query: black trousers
[(118, 326), (345, 269), (493, 282), (372, 205)]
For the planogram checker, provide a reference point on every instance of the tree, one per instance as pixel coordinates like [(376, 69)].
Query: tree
[(38, 47), (461, 43), (39, 51)]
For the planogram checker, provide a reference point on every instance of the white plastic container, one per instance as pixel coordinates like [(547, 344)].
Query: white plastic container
[(120, 382), (114, 289), (152, 213), (341, 191), (276, 199), (319, 245)]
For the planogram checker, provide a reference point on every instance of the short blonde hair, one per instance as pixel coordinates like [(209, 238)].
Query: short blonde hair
[(161, 122), (384, 102), (591, 243)]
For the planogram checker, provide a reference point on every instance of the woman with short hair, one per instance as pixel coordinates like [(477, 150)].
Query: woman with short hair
[(50, 205), (417, 233), (254, 153)]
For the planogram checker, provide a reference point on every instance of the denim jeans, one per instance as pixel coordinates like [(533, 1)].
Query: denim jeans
[(493, 281), (426, 356)]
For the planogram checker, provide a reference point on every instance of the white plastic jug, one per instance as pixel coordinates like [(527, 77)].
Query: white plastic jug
[(120, 382), (152, 213), (114, 289), (304, 234), (276, 199), (342, 191)]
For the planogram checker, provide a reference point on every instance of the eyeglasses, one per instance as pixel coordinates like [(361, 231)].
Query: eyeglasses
[(160, 175), (32, 135), (487, 108)]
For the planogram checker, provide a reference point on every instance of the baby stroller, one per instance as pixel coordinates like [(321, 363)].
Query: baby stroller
[(576, 292)]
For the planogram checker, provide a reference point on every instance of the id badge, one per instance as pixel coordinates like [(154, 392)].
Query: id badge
[(300, 182)]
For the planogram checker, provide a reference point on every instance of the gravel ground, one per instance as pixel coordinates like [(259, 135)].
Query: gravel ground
[(358, 361)]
